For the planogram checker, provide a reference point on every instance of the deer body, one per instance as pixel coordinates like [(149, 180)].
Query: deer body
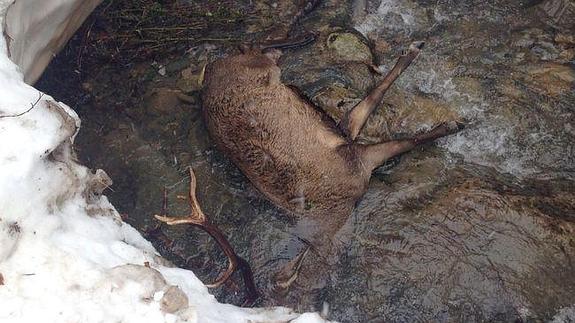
[(291, 151)]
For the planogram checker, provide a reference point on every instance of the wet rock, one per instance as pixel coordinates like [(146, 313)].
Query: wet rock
[(88, 87), (567, 55), (381, 46), (469, 211), (163, 101), (539, 43), (190, 80), (407, 115), (511, 90), (560, 12), (398, 17), (187, 99), (565, 39), (336, 99), (349, 47), (545, 50), (552, 79), (177, 65), (527, 38), (567, 43), (518, 57)]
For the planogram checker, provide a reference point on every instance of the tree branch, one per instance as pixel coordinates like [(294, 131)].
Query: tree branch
[(22, 113)]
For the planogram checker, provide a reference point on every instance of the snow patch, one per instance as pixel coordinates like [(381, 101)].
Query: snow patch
[(65, 254)]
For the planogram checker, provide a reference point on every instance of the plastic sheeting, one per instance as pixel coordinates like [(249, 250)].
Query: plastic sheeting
[(36, 30)]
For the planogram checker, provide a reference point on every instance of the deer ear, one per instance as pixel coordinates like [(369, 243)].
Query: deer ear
[(273, 54)]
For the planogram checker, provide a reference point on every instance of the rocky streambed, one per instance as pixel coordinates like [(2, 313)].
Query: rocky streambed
[(477, 227)]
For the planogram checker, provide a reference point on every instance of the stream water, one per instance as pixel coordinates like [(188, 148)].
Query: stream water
[(477, 227)]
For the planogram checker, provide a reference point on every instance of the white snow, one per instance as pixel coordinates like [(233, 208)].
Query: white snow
[(65, 254)]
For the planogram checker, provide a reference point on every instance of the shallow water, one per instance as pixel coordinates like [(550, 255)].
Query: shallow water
[(478, 227)]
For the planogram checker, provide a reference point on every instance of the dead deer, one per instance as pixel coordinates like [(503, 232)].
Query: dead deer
[(293, 152)]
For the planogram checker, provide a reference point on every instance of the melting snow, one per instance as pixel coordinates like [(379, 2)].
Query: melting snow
[(65, 254)]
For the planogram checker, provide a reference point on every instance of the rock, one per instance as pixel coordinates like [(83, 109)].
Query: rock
[(565, 39), (162, 100), (510, 90), (524, 42), (519, 57), (560, 12), (381, 46), (567, 55), (190, 80), (349, 47), (335, 100), (88, 87), (186, 98), (423, 112), (553, 79), (177, 65), (404, 114), (545, 50)]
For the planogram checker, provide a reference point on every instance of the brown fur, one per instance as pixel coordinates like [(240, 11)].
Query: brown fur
[(290, 150), (286, 147)]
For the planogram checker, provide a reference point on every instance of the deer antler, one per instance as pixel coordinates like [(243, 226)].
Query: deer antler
[(199, 219)]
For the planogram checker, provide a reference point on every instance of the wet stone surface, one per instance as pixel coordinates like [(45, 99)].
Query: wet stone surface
[(477, 227)]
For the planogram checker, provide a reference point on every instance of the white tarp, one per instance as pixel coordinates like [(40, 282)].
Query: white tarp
[(36, 30)]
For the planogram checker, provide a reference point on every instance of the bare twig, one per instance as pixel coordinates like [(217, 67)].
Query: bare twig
[(22, 113)]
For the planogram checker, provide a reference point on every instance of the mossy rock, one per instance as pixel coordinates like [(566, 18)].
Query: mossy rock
[(349, 47)]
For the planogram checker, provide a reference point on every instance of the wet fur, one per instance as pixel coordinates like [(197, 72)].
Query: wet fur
[(290, 150), (293, 152)]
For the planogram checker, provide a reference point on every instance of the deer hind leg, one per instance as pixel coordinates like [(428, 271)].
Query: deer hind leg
[(355, 119), (374, 156), (323, 235), (289, 273)]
